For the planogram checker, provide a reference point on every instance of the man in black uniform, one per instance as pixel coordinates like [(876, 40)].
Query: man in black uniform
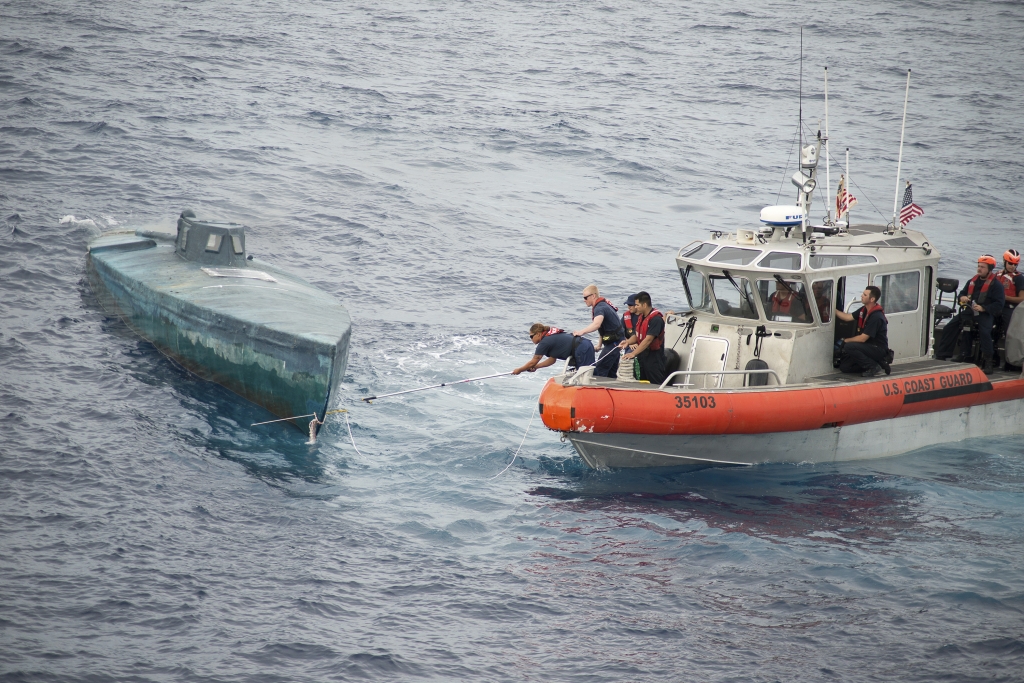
[(650, 340), (983, 298), (868, 351), (553, 345), (605, 320)]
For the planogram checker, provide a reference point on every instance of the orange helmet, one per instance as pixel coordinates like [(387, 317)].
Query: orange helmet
[(987, 258), (1011, 256)]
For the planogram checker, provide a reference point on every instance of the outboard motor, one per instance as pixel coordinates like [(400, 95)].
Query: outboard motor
[(211, 243)]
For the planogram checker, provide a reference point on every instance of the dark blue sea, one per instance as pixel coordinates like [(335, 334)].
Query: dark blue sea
[(453, 172)]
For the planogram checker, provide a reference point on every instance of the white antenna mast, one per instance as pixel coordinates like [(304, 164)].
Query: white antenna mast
[(899, 163), (828, 177)]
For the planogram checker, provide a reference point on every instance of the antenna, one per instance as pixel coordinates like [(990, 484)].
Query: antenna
[(800, 131), (800, 97), (828, 177), (899, 163)]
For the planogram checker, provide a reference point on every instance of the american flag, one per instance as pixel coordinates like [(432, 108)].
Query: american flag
[(844, 200), (910, 210)]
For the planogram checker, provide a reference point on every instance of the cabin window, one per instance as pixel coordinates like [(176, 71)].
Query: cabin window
[(236, 244), (213, 244), (697, 292), (785, 303), (735, 256), (700, 251), (184, 238), (822, 290), (734, 297), (819, 261), (900, 291), (780, 260)]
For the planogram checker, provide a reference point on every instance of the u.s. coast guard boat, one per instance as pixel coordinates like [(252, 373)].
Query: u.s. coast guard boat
[(264, 334), (757, 386)]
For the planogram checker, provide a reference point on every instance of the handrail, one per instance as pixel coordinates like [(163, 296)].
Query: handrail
[(722, 372)]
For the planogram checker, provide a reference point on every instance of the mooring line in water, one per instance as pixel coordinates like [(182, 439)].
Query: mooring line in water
[(350, 437), (532, 415)]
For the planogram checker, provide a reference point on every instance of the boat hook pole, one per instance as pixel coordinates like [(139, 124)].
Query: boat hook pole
[(368, 399)]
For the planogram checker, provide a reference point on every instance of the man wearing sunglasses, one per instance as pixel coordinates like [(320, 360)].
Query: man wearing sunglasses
[(604, 321), (556, 344)]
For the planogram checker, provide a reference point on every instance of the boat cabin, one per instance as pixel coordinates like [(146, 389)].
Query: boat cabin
[(210, 242), (764, 295)]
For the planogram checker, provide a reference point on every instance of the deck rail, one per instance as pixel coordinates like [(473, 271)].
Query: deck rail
[(705, 373)]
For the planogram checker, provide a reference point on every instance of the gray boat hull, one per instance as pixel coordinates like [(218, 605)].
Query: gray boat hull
[(854, 442)]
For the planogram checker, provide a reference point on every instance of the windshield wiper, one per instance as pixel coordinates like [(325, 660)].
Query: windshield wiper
[(686, 286), (740, 290)]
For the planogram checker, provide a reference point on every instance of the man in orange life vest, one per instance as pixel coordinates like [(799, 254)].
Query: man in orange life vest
[(605, 321), (650, 340), (982, 298), (786, 305), (868, 351), (630, 317), (1013, 289)]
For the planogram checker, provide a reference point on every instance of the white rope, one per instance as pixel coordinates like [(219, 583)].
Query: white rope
[(350, 437), (532, 415)]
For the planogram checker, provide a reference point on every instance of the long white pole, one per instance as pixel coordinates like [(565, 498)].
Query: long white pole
[(435, 386), (899, 163), (828, 178)]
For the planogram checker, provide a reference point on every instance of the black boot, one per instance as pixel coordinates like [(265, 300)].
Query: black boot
[(873, 371), (986, 364)]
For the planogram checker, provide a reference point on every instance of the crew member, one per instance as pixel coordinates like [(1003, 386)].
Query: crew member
[(629, 321), (1013, 289), (867, 352), (605, 320), (785, 302), (556, 344), (650, 341), (982, 299)]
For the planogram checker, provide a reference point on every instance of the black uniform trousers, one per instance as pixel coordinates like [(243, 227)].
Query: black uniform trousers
[(652, 365), (960, 326), (607, 364), (861, 356)]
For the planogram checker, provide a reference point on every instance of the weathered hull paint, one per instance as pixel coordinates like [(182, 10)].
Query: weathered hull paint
[(879, 439), (288, 374)]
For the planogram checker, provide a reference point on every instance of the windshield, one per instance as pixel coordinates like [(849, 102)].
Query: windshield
[(696, 290), (784, 300), (734, 297)]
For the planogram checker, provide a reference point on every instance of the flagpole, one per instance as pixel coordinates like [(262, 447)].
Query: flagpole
[(847, 188), (828, 178), (899, 163)]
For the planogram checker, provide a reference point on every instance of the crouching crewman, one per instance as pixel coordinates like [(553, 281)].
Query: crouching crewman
[(868, 351)]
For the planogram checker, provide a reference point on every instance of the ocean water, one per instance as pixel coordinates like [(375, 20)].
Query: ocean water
[(454, 172)]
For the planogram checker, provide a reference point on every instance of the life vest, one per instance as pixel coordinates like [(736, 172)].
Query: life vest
[(627, 322), (984, 287), (1006, 280), (641, 330), (599, 300), (553, 330), (865, 312), (616, 333), (780, 306)]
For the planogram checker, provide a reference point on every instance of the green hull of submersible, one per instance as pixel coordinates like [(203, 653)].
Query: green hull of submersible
[(262, 333)]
